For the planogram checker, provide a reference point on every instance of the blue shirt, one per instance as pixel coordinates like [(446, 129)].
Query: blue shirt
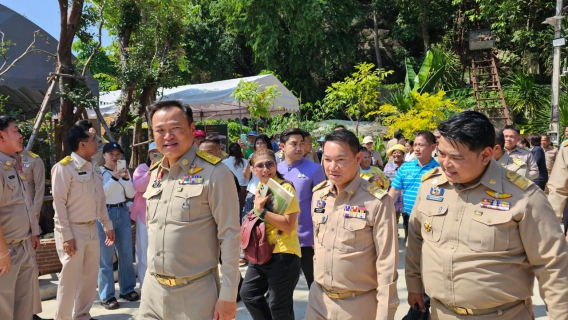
[(305, 175), (408, 179), (275, 146)]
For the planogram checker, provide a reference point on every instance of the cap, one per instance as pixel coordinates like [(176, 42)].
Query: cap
[(152, 146), (396, 147), (198, 133), (252, 133), (368, 139), (108, 147)]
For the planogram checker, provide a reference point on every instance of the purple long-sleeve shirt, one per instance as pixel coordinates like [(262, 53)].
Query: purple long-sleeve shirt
[(305, 175)]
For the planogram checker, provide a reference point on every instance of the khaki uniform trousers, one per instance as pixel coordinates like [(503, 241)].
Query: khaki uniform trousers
[(37, 297), (16, 286), (523, 311), (193, 301), (322, 307), (79, 274)]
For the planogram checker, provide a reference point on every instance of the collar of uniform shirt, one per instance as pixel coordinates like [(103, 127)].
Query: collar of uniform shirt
[(350, 188), (6, 158), (79, 161), (491, 178), (189, 156)]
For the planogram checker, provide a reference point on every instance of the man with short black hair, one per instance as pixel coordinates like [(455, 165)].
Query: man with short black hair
[(193, 218), (211, 147), (304, 175), (394, 141), (538, 154), (512, 137), (78, 200), (309, 153), (502, 156), (98, 157), (339, 127), (19, 231), (356, 246), (550, 152), (479, 234)]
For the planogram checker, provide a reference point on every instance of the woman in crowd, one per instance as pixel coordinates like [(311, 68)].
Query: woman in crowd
[(409, 156), (140, 180), (280, 275), (372, 174), (118, 188), (397, 153), (261, 143), (236, 164)]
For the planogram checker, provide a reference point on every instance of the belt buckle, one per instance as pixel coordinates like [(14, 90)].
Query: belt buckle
[(165, 281), (463, 311)]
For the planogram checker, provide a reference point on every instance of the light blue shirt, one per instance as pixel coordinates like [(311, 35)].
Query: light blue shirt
[(408, 179)]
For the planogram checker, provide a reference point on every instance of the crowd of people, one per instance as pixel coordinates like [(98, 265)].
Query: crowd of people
[(482, 217)]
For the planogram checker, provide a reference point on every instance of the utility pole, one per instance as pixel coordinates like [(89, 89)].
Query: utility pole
[(555, 121)]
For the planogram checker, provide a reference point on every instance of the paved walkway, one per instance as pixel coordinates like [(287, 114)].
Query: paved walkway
[(129, 310)]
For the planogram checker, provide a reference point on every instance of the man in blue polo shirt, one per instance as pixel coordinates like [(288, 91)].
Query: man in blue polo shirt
[(409, 175)]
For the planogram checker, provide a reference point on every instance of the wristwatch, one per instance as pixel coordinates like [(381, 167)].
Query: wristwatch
[(260, 215)]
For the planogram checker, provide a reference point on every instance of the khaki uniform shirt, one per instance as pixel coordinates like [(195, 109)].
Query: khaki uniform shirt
[(550, 155), (526, 157), (78, 196), (369, 243), (188, 224), (312, 156), (16, 215), (514, 164), (470, 256), (34, 178), (391, 143), (377, 160), (558, 182)]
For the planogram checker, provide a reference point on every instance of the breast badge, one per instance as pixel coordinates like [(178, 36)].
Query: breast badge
[(498, 195), (355, 212), (436, 194), (320, 206), (495, 204)]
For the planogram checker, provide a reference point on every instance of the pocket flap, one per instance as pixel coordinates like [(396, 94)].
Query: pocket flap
[(190, 191), (83, 176), (12, 183), (431, 210), (353, 224), (493, 218), (152, 192)]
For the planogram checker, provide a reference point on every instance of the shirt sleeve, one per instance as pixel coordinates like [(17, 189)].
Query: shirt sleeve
[(414, 250), (39, 182), (397, 180), (294, 206), (128, 190), (141, 178), (547, 252), (60, 185), (222, 198), (532, 167), (558, 183), (385, 236)]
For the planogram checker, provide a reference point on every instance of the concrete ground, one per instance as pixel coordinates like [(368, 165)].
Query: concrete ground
[(129, 310)]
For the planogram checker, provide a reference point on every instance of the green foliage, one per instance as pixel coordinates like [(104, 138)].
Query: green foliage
[(524, 95), (258, 102)]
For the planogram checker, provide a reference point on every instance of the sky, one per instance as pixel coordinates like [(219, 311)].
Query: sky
[(44, 13)]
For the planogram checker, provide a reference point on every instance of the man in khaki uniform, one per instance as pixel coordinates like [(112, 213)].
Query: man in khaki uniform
[(512, 135), (192, 214), (377, 160), (479, 234), (18, 231), (503, 158), (356, 245), (78, 199), (558, 184), (34, 179), (550, 152)]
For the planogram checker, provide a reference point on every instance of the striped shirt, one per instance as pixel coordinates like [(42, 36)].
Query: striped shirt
[(408, 179)]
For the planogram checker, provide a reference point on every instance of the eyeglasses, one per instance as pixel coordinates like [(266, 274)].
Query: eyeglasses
[(268, 165)]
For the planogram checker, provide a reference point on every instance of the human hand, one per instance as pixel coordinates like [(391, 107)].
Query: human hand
[(70, 247), (110, 237), (35, 242), (260, 201), (241, 143), (416, 298), (225, 310), (5, 261)]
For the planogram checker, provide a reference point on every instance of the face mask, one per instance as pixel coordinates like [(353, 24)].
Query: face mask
[(250, 145), (277, 139)]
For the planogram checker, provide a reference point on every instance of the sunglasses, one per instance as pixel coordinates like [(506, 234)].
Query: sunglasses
[(268, 165)]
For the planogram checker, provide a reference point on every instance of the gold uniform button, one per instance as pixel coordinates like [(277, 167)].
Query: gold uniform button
[(332, 229), (328, 250), (165, 201), (158, 254)]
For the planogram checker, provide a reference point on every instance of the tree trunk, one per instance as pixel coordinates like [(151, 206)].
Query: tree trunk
[(377, 43), (146, 98), (424, 22), (69, 21)]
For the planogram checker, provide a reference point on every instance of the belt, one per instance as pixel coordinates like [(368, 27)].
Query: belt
[(173, 281), (342, 295), (12, 242), (476, 312), (116, 205), (85, 223)]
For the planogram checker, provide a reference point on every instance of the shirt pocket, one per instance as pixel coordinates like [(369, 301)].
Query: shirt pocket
[(432, 223), (319, 221), (152, 196), (352, 235), (186, 204), (85, 181), (10, 189), (490, 232)]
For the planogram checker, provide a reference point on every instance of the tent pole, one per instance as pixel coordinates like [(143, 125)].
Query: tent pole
[(240, 120), (42, 112)]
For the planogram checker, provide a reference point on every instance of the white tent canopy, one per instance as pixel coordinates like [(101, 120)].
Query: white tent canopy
[(213, 100)]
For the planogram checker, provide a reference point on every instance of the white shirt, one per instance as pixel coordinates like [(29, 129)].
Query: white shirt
[(237, 171), (116, 191), (409, 156)]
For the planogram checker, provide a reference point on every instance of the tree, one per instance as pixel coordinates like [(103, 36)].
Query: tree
[(358, 94), (427, 111), (258, 102)]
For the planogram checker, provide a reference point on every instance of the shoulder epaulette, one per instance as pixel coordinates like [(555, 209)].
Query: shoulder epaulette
[(429, 174), (208, 157), (376, 191), (156, 164), (320, 185), (224, 154), (518, 162), (65, 161), (33, 155), (518, 180), (565, 143)]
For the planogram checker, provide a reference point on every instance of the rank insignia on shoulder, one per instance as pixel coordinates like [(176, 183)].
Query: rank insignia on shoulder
[(498, 195), (320, 185), (65, 161), (208, 157), (518, 180), (495, 204), (157, 164), (518, 162), (565, 143), (33, 155), (429, 174), (376, 191)]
